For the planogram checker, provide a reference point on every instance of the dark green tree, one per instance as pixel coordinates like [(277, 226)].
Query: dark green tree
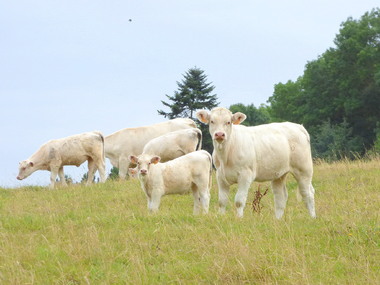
[(334, 142), (340, 89), (286, 101), (194, 93), (114, 173), (255, 116)]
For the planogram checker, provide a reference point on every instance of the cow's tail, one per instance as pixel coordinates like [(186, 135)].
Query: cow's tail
[(101, 136), (199, 144)]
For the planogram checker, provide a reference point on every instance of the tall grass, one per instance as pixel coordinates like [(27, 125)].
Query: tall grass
[(103, 234)]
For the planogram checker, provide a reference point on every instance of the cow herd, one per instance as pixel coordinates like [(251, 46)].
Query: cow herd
[(168, 159)]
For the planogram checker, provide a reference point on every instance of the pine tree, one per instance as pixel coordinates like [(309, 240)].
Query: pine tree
[(194, 93)]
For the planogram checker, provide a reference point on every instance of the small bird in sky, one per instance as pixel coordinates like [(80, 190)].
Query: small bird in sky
[(130, 20)]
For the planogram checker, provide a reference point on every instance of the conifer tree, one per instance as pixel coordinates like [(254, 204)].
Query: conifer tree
[(194, 93)]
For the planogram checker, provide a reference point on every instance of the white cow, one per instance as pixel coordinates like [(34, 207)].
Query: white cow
[(72, 150), (121, 144), (261, 153), (191, 172), (174, 144)]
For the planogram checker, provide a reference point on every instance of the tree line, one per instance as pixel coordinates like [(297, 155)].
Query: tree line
[(337, 98)]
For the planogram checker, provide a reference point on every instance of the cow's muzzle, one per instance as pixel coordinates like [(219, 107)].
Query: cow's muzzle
[(143, 172), (219, 137), (19, 178)]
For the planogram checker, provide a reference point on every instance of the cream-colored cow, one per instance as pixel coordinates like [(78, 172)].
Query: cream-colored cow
[(72, 150), (175, 144), (188, 173), (261, 153), (121, 144)]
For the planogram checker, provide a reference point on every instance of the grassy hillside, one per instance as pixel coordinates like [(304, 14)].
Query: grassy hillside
[(103, 234)]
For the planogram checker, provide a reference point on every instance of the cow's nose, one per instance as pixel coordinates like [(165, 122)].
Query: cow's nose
[(219, 136), (143, 171), (18, 178)]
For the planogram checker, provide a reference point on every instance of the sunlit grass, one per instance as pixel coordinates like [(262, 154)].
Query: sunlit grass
[(103, 234)]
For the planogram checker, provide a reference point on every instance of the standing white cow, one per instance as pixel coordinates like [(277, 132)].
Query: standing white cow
[(175, 144), (121, 144), (191, 172), (261, 153), (72, 150)]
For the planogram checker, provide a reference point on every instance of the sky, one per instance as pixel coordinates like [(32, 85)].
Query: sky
[(68, 67)]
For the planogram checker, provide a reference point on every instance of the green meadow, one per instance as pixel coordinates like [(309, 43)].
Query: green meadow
[(103, 234)]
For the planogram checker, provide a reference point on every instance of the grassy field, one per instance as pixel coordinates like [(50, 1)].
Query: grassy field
[(103, 234)]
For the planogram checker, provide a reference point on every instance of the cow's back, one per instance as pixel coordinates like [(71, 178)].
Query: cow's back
[(184, 169), (133, 140), (270, 150)]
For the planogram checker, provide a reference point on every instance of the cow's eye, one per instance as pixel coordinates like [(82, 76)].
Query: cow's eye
[(228, 123), (212, 122)]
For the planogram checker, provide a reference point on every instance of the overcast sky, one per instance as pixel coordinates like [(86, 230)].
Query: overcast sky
[(68, 67)]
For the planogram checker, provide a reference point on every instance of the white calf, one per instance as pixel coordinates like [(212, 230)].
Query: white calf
[(191, 172)]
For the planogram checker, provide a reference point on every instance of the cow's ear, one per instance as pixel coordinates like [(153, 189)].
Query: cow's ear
[(133, 159), (31, 164), (203, 116), (238, 118), (155, 159)]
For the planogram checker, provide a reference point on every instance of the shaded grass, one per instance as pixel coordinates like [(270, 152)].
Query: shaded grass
[(103, 234)]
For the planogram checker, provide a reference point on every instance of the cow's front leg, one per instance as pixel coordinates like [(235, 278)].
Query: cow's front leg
[(61, 175), (154, 202), (224, 188), (244, 182), (53, 176), (123, 167)]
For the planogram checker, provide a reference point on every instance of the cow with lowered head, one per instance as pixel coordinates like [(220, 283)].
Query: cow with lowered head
[(72, 150)]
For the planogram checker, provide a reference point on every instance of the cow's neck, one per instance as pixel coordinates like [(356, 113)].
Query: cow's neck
[(39, 160), (223, 150), (145, 184)]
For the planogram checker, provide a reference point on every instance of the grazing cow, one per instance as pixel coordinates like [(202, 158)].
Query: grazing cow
[(191, 172), (261, 153), (72, 150), (174, 144), (121, 144)]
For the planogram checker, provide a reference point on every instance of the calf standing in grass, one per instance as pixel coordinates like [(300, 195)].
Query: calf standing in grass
[(261, 153), (73, 150), (191, 172)]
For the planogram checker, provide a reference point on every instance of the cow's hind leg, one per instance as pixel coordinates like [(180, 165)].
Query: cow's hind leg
[(306, 190), (91, 171), (197, 202), (202, 198), (280, 195), (101, 167), (205, 200)]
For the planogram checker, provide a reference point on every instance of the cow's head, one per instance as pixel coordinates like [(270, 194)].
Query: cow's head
[(25, 168), (143, 161), (220, 122)]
